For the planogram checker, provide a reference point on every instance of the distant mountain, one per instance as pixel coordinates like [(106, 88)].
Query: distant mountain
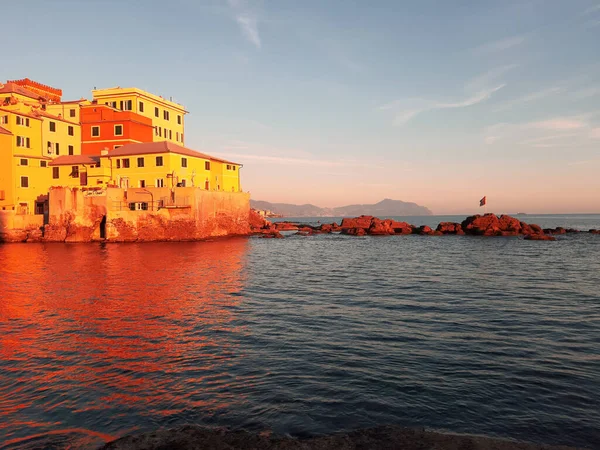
[(384, 208)]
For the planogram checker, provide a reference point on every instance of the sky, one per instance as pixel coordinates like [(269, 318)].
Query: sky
[(340, 102)]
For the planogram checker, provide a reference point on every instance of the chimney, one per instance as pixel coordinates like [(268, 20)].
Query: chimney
[(104, 152)]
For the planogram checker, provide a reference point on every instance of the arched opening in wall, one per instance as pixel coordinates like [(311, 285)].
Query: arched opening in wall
[(103, 228)]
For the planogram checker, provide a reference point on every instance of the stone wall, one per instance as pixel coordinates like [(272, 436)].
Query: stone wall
[(162, 214), (20, 228)]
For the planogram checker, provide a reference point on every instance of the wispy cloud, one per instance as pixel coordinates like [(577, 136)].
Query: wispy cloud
[(538, 95), (499, 45), (560, 124), (405, 110), (247, 20)]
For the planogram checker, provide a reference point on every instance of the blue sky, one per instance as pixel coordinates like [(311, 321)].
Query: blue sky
[(337, 102)]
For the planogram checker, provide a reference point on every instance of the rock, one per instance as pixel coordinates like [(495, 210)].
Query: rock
[(539, 237), (593, 231), (509, 224), (401, 227), (358, 222), (354, 231), (326, 228), (286, 226), (450, 228), (380, 227), (257, 222), (486, 225), (424, 230), (573, 230)]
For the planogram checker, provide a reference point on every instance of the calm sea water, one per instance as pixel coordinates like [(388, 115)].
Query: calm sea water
[(304, 335)]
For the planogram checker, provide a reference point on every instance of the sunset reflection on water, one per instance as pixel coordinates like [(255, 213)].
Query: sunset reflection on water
[(89, 330)]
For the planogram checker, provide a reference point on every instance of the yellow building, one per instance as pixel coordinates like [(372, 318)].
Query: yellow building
[(31, 138), (168, 117), (157, 164), (69, 110)]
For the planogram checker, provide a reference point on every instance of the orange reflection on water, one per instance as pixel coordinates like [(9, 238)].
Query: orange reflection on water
[(85, 328)]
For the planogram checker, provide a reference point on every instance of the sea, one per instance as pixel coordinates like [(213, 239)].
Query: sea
[(303, 336)]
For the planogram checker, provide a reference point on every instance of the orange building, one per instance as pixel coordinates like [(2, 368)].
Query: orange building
[(104, 127)]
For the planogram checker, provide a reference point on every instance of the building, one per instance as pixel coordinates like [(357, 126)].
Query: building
[(158, 164), (168, 117), (31, 138), (106, 128)]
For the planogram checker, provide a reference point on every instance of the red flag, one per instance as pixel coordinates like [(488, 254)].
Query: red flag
[(482, 201)]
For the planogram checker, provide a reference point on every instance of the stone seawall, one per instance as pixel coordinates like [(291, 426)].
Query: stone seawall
[(118, 215)]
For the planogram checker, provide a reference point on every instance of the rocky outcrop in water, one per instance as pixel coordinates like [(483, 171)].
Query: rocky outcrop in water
[(478, 225), (384, 437)]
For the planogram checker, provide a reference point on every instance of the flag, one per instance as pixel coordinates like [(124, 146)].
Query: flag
[(482, 201)]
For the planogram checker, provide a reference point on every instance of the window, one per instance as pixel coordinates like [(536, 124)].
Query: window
[(160, 182), (118, 130), (156, 131), (183, 162), (125, 163), (24, 182), (125, 105), (75, 171), (72, 113), (142, 183), (71, 150), (57, 149), (49, 147), (228, 167), (156, 112), (21, 141), (53, 126), (170, 134), (182, 138), (95, 131), (178, 119), (24, 162), (159, 161), (182, 183), (116, 147), (141, 106), (160, 131), (118, 163), (138, 206), (114, 104), (43, 163), (56, 173), (166, 115), (177, 136), (140, 162), (23, 121), (3, 120), (71, 131), (206, 165)]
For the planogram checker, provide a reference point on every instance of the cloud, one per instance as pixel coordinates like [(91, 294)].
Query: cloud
[(538, 95), (247, 20), (560, 124), (404, 115), (490, 77), (499, 45)]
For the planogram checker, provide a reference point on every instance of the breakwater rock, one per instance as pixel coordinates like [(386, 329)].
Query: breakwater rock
[(384, 437), (477, 225)]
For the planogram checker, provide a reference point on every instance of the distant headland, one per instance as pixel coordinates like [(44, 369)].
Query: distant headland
[(386, 207)]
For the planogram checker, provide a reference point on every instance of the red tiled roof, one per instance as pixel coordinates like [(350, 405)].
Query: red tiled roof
[(20, 113), (4, 131), (11, 88), (146, 148), (71, 160)]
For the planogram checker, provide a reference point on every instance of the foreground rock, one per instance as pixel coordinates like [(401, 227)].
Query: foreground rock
[(384, 437)]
